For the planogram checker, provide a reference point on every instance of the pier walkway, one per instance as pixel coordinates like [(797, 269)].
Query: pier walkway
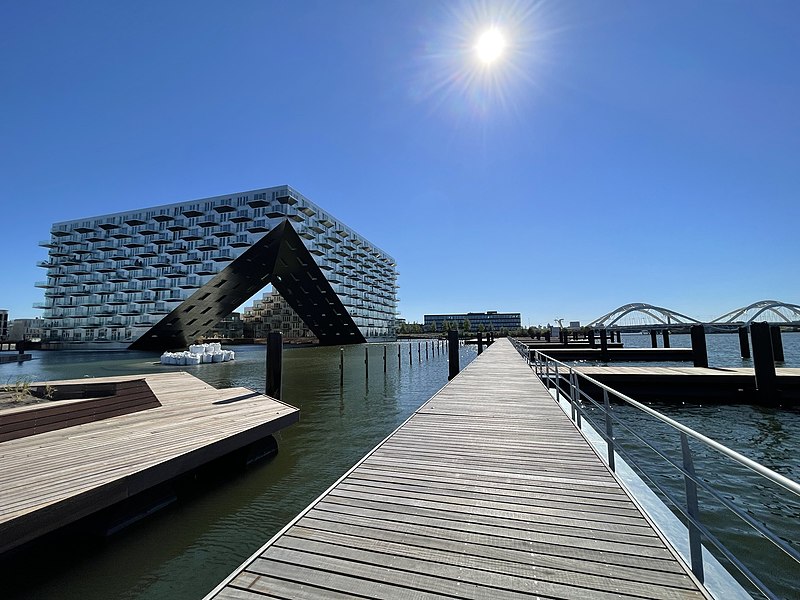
[(487, 491)]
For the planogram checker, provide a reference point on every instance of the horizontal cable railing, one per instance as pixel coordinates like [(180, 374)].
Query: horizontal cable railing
[(567, 382)]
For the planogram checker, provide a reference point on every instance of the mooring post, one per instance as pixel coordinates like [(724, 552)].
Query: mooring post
[(274, 364), (565, 337), (591, 338), (603, 346), (480, 343), (384, 358), (699, 348), (452, 344), (763, 361), (777, 343), (410, 355), (653, 338), (744, 342), (399, 361), (366, 361), (575, 335), (619, 336), (419, 352), (426, 350), (341, 367), (665, 337)]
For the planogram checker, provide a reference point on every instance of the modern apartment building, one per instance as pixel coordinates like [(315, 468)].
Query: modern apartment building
[(161, 277), (273, 313), (25, 330), (491, 320)]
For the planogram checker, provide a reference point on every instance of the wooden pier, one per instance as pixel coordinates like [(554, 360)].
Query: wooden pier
[(619, 354), (55, 474), (487, 491)]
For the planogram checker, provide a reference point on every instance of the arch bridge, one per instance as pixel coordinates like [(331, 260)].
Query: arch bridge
[(641, 316)]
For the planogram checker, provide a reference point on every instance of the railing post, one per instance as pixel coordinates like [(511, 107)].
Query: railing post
[(547, 372), (558, 382), (571, 395), (609, 432), (578, 405), (695, 547), (274, 364), (480, 343)]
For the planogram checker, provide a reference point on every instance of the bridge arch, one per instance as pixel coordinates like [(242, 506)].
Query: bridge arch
[(638, 315), (773, 311)]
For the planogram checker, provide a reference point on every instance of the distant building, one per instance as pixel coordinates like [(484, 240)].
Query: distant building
[(491, 320), (3, 324), (273, 313), (229, 328), (574, 324), (25, 330)]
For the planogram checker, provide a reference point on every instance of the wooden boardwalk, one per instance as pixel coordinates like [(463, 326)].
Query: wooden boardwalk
[(487, 491), (52, 479)]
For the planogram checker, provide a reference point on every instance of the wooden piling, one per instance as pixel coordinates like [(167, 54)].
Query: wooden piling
[(426, 351), (653, 338), (699, 348), (452, 360), (341, 367), (764, 362), (603, 346), (366, 361), (480, 343), (274, 364), (410, 355), (777, 343), (591, 338), (384, 358), (419, 352), (665, 337), (744, 342)]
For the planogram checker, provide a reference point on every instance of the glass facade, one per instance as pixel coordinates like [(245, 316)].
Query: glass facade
[(491, 320), (111, 278)]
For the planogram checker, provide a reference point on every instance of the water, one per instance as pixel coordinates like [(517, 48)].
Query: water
[(187, 549)]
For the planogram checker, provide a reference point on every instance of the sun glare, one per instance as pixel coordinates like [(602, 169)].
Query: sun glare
[(490, 46)]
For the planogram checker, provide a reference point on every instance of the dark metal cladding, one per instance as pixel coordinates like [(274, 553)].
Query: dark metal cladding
[(279, 258)]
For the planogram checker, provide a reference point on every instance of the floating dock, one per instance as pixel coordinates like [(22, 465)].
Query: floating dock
[(487, 491), (696, 383), (65, 460)]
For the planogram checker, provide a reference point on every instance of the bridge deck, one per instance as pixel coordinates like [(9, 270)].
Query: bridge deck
[(487, 491)]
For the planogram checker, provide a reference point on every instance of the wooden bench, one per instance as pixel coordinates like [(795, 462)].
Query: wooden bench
[(76, 404)]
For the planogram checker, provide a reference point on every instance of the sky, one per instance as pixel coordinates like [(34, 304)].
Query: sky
[(618, 151)]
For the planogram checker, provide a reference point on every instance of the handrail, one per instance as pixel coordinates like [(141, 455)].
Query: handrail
[(550, 370)]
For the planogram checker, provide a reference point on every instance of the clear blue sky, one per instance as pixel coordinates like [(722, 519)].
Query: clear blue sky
[(619, 151)]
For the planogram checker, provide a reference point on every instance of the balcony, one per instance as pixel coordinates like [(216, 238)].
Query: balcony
[(241, 241), (224, 207), (122, 234), (241, 216), (286, 197), (162, 240), (48, 244), (134, 221), (208, 221), (192, 235), (208, 244), (161, 262), (189, 283), (108, 225), (192, 258), (45, 284), (173, 299), (149, 229), (62, 231), (208, 268), (147, 274), (223, 255), (177, 249), (176, 273), (191, 212), (177, 225), (223, 231), (259, 201), (161, 285), (258, 226)]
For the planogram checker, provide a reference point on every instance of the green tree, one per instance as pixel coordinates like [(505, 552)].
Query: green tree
[(467, 325), (481, 327)]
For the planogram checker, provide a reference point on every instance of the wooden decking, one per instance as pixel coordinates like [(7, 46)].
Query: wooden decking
[(52, 479), (487, 491)]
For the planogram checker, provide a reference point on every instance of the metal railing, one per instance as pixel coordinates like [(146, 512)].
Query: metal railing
[(567, 382)]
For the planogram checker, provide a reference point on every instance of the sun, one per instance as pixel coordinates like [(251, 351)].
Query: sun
[(490, 46)]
